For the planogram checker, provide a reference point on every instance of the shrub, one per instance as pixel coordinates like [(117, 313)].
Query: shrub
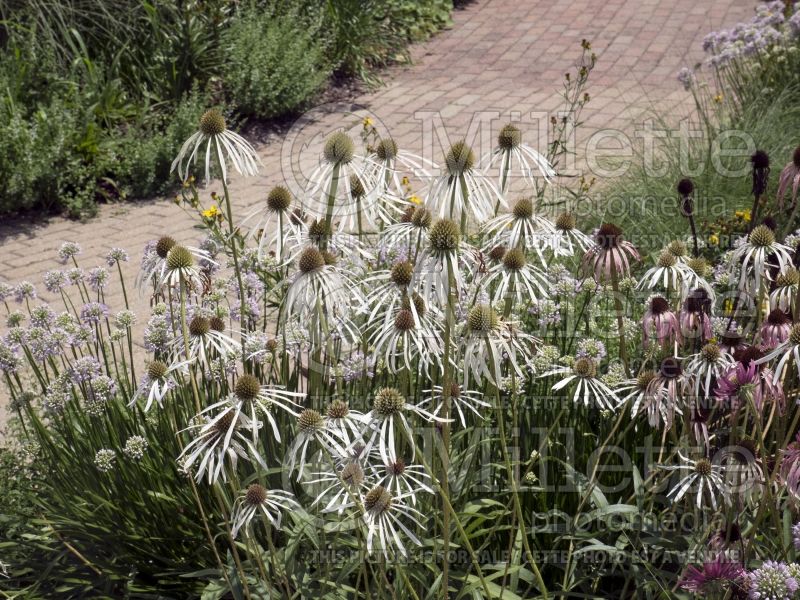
[(275, 62)]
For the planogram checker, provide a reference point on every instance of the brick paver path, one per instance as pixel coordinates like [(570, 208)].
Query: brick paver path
[(506, 56)]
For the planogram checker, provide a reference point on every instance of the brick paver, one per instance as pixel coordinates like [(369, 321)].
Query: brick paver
[(507, 56)]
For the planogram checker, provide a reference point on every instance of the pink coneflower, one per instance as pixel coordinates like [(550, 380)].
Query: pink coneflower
[(790, 467), (610, 253), (731, 341), (660, 322), (663, 397), (713, 578), (790, 175), (699, 420), (736, 384), (776, 329), (766, 387), (695, 316)]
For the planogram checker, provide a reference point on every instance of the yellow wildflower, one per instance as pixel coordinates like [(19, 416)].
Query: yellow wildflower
[(415, 200), (718, 98), (367, 122), (211, 213), (713, 239)]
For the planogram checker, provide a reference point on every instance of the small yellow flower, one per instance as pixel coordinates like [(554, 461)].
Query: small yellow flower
[(727, 306), (713, 239), (404, 180), (718, 98), (211, 213), (415, 200), (367, 122)]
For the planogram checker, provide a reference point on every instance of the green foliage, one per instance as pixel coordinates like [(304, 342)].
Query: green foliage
[(275, 62)]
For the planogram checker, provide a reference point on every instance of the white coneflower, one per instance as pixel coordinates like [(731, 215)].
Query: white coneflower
[(405, 481), (664, 396), (154, 262), (668, 273), (743, 469), (311, 428), (488, 341), (205, 342), (635, 390), (389, 408), (439, 264), (381, 168), (257, 400), (707, 366), (386, 290), (344, 422), (705, 476), (225, 145), (461, 401), (760, 252), (522, 227), (158, 381), (340, 487), (517, 280), (217, 440), (514, 158), (319, 288), (589, 389), (695, 277), (788, 350), (258, 500), (275, 225), (409, 337), (567, 239), (180, 265), (783, 295), (331, 184), (383, 513), (409, 234), (462, 191)]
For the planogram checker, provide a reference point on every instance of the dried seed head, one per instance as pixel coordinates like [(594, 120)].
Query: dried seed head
[(164, 245), (309, 421), (318, 230), (523, 209), (510, 137), (179, 258), (329, 257), (482, 319), (678, 248), (217, 323), (762, 236), (608, 236), (748, 354), (212, 122), (796, 157), (455, 390), (386, 149), (272, 345), (703, 467), (670, 368), (685, 187), (388, 401), (585, 367), (794, 335), (199, 326), (790, 277), (514, 259), (378, 499), (445, 236), (422, 217), (156, 369), (311, 259), (770, 222), (666, 259), (497, 253), (338, 409), (711, 353), (352, 474), (396, 468), (256, 495), (644, 378), (419, 304), (357, 190), (225, 422), (699, 265), (404, 320), (778, 317), (339, 148), (459, 159), (401, 273), (760, 160), (566, 222), (247, 387), (658, 305), (279, 199)]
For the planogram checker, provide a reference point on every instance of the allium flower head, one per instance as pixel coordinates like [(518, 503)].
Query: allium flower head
[(772, 581)]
